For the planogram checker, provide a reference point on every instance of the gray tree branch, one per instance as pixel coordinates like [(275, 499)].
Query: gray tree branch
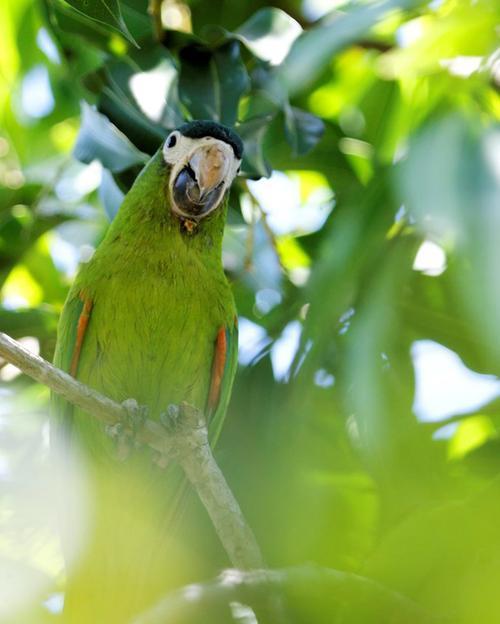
[(186, 442)]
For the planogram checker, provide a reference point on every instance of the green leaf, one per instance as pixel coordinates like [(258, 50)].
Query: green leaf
[(17, 236), (381, 108), (26, 194), (70, 27), (325, 157), (39, 262), (139, 95), (100, 139), (302, 129), (212, 82), (269, 34), (252, 133), (39, 322), (138, 20), (313, 50), (103, 12), (450, 184)]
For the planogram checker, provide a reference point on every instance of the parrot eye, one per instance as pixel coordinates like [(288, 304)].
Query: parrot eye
[(172, 140)]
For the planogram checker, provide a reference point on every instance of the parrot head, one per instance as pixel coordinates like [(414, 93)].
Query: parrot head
[(203, 158)]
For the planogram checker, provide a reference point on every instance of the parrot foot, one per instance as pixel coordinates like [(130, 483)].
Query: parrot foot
[(136, 415), (179, 420), (178, 416), (171, 418), (125, 433), (123, 438)]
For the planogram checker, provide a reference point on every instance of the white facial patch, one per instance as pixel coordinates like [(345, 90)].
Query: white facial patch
[(180, 151)]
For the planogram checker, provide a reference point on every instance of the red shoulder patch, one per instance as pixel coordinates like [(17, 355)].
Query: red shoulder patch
[(83, 322), (218, 365)]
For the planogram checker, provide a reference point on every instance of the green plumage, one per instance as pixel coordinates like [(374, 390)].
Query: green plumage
[(159, 299)]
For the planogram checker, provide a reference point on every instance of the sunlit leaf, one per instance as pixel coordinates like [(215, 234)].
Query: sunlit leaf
[(471, 433), (21, 288), (450, 182), (139, 95), (269, 34), (313, 50)]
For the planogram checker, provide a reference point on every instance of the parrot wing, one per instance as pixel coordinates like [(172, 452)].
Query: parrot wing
[(72, 330), (224, 364)]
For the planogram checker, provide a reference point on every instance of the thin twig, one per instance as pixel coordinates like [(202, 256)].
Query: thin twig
[(267, 228), (272, 237), (186, 441), (249, 245)]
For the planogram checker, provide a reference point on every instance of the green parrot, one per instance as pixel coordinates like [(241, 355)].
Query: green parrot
[(151, 317)]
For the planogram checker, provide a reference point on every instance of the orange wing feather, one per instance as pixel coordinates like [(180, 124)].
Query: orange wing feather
[(83, 322), (218, 365)]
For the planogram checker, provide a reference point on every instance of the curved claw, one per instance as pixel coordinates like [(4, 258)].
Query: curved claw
[(170, 418), (136, 414)]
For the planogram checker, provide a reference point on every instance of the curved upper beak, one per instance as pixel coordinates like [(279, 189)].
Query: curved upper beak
[(210, 165)]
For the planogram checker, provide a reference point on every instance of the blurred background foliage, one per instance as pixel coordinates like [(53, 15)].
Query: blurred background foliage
[(363, 250)]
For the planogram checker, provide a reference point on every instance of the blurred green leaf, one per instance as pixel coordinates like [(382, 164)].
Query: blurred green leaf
[(40, 264), (110, 195), (269, 34), (450, 183), (139, 95), (17, 238), (38, 322), (252, 133), (303, 130), (381, 109), (312, 51), (25, 195), (212, 82), (100, 139), (325, 157), (454, 553)]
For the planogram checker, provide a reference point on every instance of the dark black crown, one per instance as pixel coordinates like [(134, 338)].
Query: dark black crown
[(202, 128)]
